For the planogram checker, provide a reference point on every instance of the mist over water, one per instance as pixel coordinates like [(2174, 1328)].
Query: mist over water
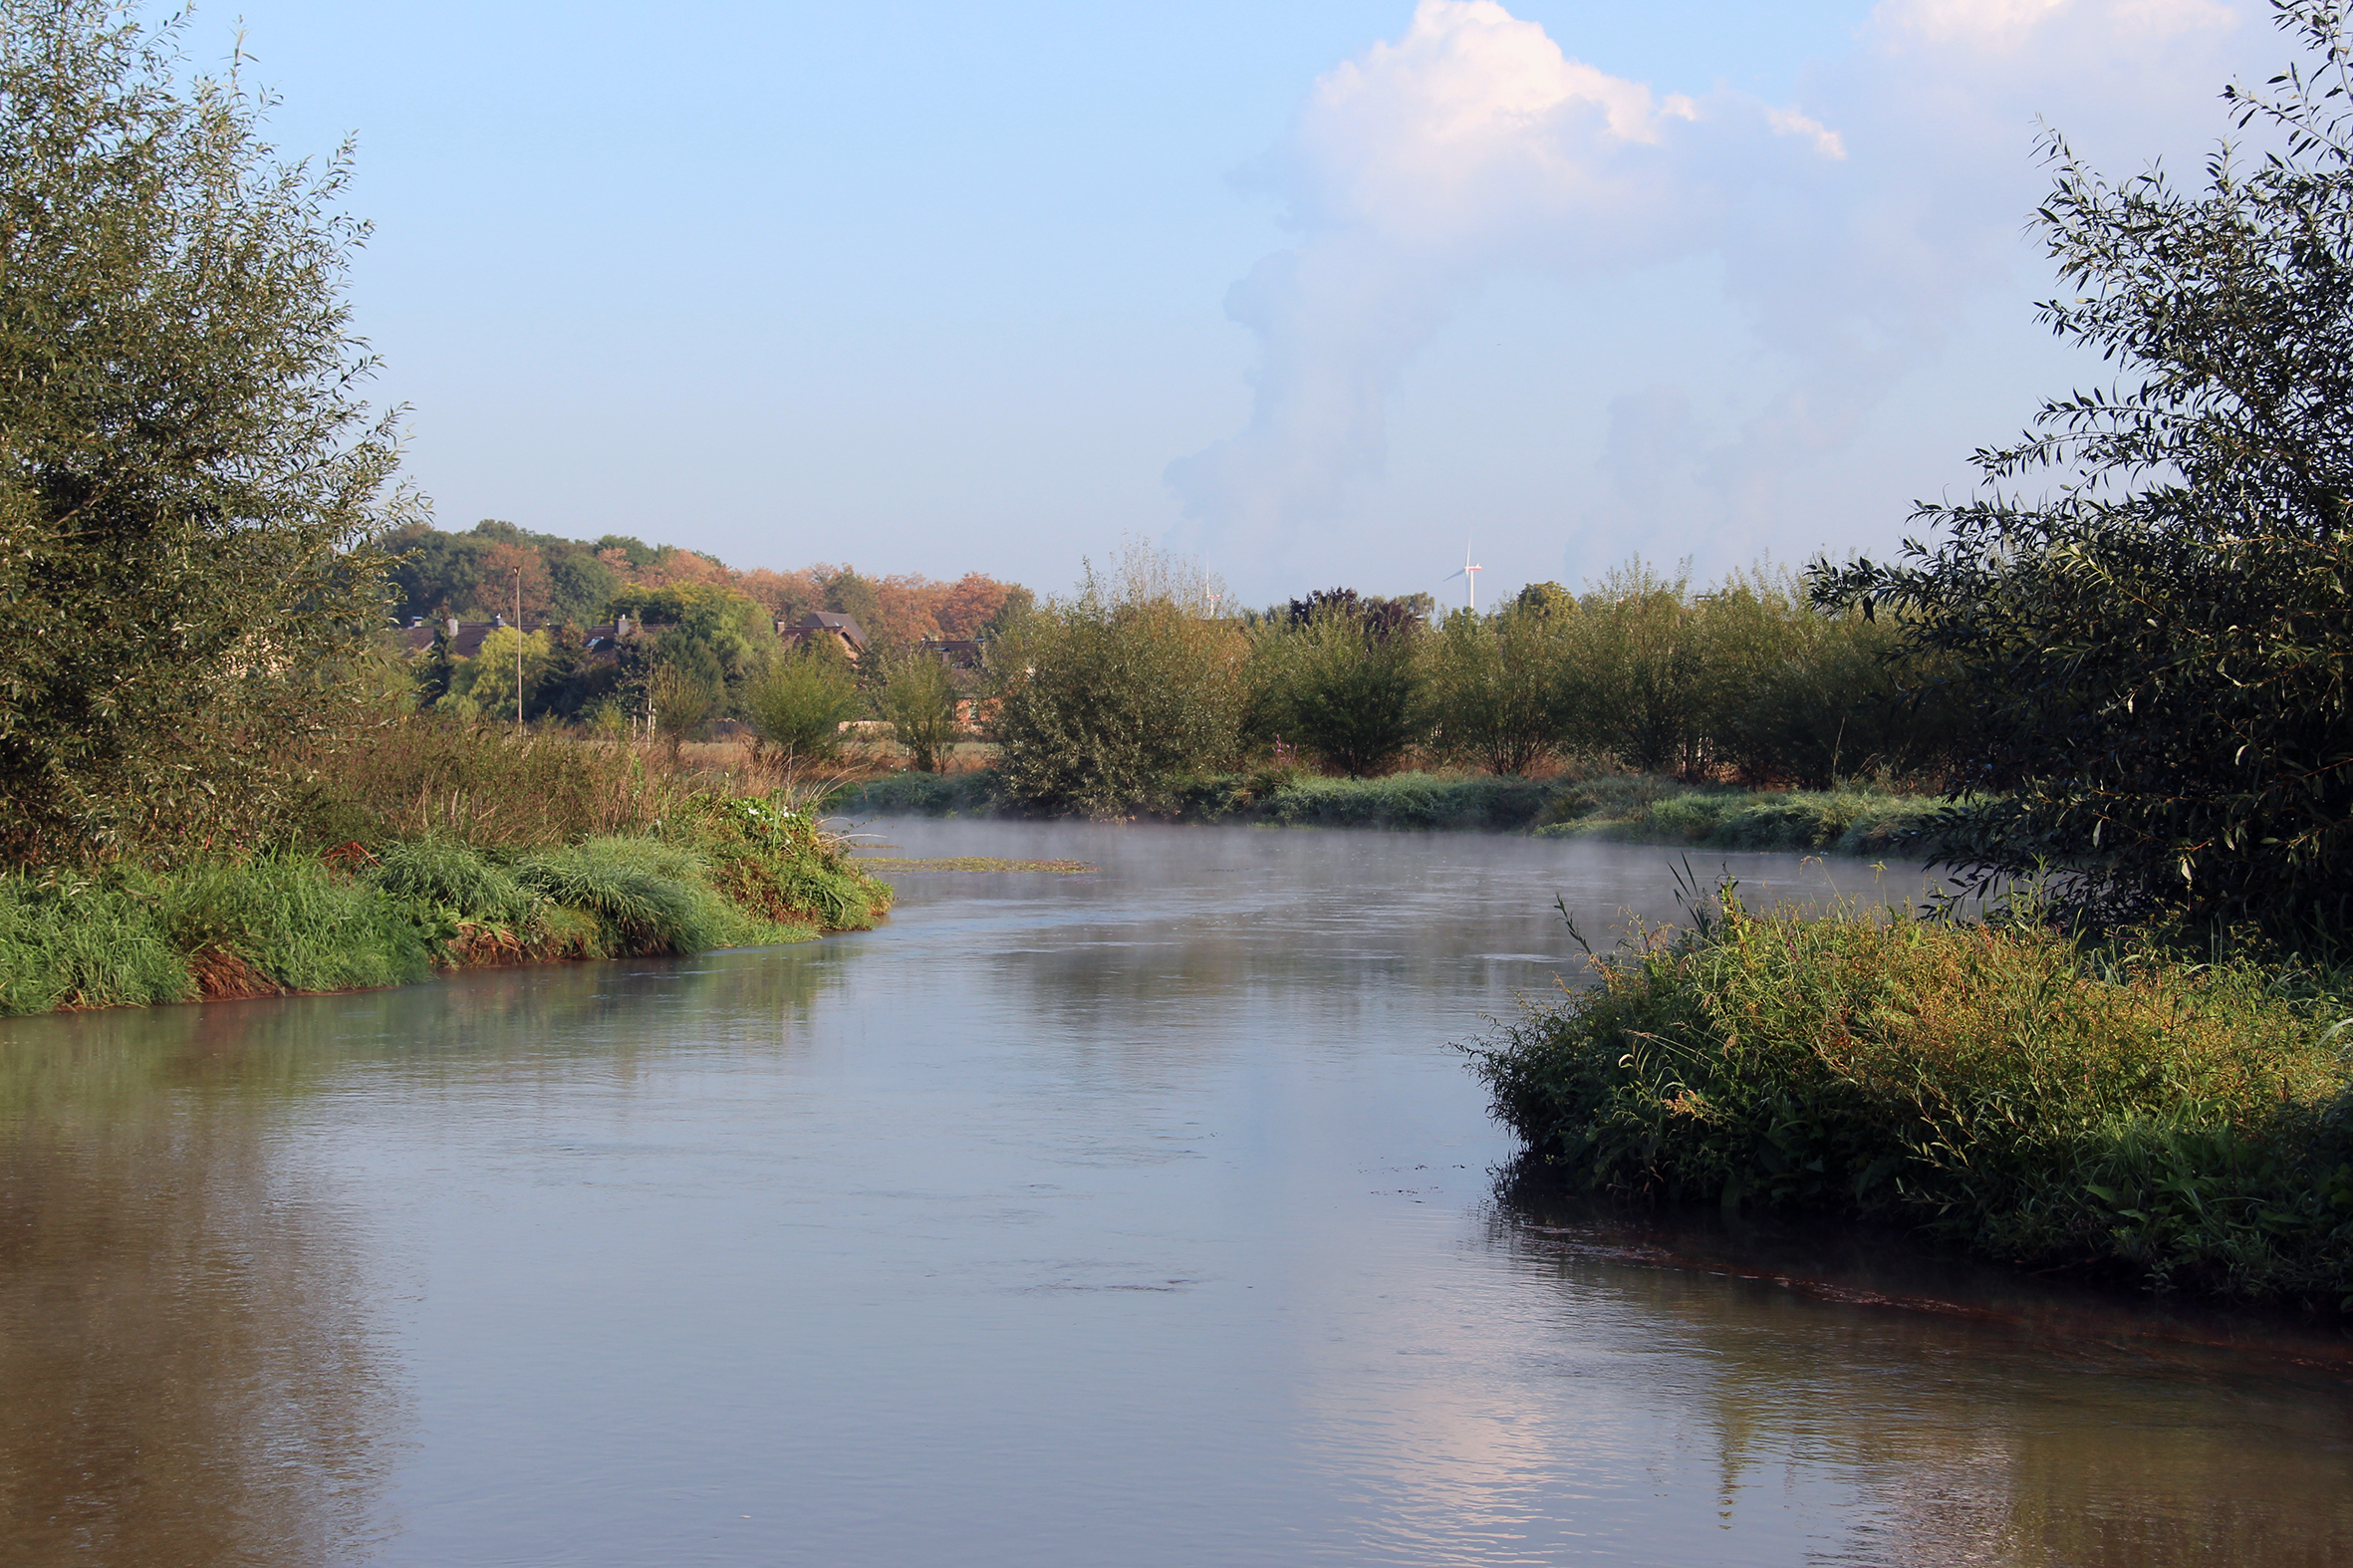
[(1141, 1216)]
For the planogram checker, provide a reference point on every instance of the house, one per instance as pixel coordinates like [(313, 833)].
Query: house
[(465, 636), (823, 622), (956, 652)]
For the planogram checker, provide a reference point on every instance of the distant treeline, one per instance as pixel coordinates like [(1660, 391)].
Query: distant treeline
[(474, 575), (1112, 700), (716, 653)]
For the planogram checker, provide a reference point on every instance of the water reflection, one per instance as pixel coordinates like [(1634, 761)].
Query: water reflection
[(1140, 1217), (190, 1369), (1975, 1416)]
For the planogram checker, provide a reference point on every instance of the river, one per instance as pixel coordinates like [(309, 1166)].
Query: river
[(1141, 1216)]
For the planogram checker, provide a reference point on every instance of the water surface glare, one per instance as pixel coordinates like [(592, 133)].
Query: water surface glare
[(1138, 1218)]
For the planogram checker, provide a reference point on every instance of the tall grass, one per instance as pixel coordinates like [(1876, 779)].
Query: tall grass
[(2123, 1111), (487, 787), (85, 942), (282, 923), (446, 846)]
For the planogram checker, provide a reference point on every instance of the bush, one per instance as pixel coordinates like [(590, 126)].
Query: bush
[(798, 704), (2180, 1124), (1109, 699), (1344, 684)]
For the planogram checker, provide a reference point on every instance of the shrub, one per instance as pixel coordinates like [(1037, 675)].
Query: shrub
[(1110, 699), (798, 704), (2182, 1124), (918, 701)]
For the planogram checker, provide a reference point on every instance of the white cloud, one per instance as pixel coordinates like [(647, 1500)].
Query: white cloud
[(1853, 229)]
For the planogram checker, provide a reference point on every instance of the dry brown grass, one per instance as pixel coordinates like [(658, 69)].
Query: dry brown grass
[(492, 789)]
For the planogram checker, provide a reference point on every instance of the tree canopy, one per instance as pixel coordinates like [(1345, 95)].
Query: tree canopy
[(188, 478), (2155, 654)]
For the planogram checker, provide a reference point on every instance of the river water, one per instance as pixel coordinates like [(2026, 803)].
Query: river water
[(1136, 1218)]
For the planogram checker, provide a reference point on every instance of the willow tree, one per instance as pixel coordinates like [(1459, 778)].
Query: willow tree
[(1111, 700), (2157, 654), (189, 480)]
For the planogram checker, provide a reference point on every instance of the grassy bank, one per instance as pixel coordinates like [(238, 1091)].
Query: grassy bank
[(436, 847), (2119, 1112), (1644, 809), (1635, 808)]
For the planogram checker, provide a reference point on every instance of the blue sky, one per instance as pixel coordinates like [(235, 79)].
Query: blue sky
[(1318, 291)]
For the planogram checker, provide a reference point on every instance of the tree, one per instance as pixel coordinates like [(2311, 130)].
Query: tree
[(1342, 677), (188, 481), (1495, 683), (1110, 700), (797, 705), (488, 678), (687, 693), (2156, 658), (733, 630), (918, 700)]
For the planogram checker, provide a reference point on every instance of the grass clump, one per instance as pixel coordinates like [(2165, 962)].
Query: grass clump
[(771, 859), (285, 923), (2118, 1110), (87, 942), (642, 896)]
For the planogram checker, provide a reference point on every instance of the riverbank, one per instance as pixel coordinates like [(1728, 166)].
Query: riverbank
[(1629, 808), (2119, 1112), (440, 849)]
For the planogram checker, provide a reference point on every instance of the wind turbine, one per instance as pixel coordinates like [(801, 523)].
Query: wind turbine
[(1469, 576)]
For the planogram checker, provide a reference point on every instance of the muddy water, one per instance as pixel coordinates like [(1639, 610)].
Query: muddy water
[(1136, 1217)]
